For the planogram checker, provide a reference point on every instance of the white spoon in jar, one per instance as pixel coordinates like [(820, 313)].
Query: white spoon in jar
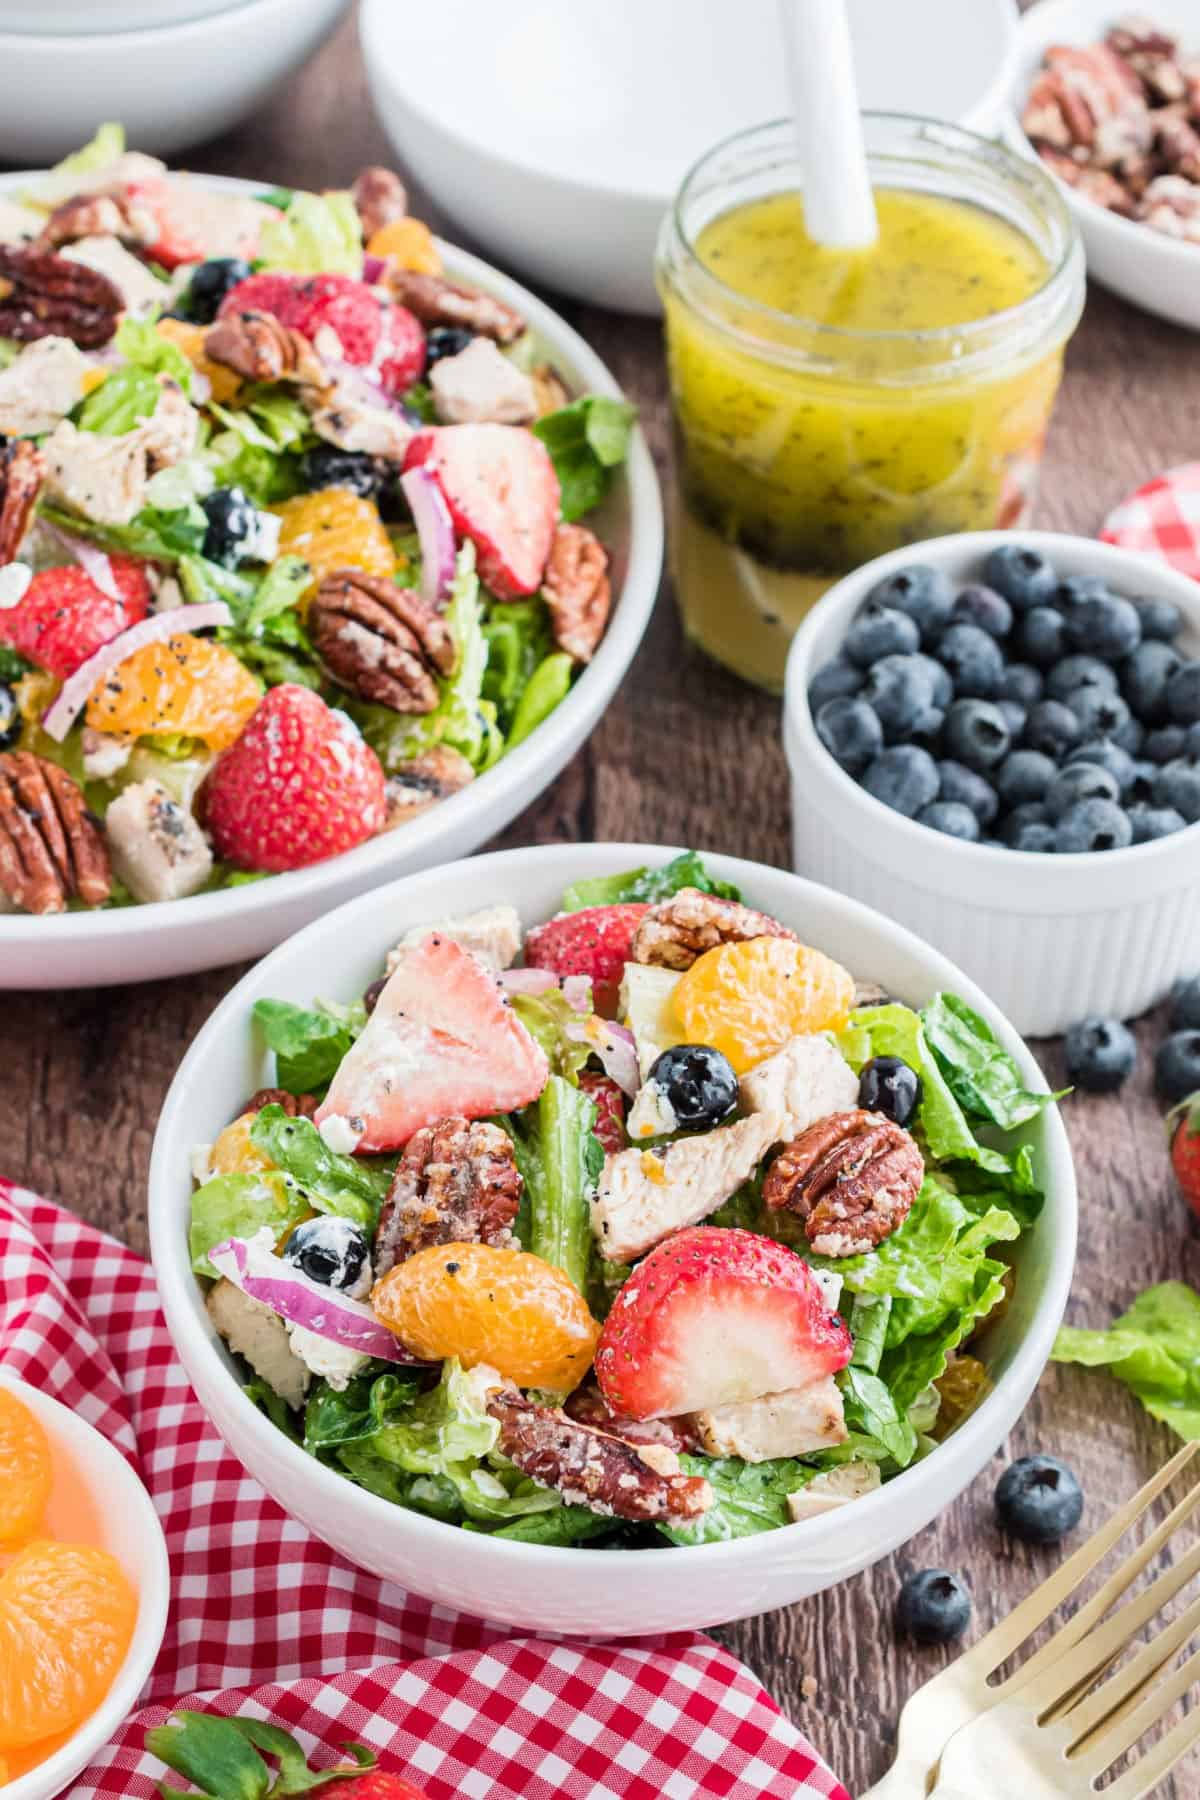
[(839, 206)]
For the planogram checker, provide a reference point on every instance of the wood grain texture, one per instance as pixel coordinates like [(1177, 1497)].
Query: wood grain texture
[(686, 754)]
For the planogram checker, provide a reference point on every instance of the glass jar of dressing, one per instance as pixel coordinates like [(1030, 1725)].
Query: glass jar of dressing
[(833, 404)]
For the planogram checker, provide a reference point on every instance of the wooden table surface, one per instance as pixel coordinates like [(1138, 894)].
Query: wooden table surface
[(689, 755)]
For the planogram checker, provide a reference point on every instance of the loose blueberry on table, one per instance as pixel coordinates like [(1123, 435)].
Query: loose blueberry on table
[(1039, 1500), (1100, 1054), (934, 1607)]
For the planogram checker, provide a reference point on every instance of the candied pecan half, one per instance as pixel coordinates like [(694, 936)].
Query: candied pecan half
[(381, 641), (22, 468), (43, 295), (379, 196), (587, 1406), (1178, 143), (296, 1106), (436, 301), (256, 346), (416, 785), (590, 1469), (51, 848), (1171, 205), (457, 1183), (576, 589), (676, 931), (1152, 54), (851, 1177)]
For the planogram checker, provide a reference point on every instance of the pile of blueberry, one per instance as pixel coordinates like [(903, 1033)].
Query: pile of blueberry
[(1025, 711)]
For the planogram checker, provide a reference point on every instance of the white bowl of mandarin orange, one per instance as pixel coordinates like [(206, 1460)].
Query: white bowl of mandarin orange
[(83, 1570)]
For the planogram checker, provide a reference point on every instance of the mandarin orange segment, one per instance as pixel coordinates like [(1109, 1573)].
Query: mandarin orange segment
[(190, 339), (335, 529), (409, 244), (67, 1613), (235, 1154), (26, 1470), (503, 1307), (748, 999), (189, 685)]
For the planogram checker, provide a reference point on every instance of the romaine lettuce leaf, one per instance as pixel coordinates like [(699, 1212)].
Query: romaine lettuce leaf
[(518, 638), (309, 1043), (546, 1017), (981, 1075), (238, 1206), (62, 180), (564, 1526), (318, 234), (872, 1410), (685, 870), (348, 1185), (547, 688), (587, 441), (560, 1162), (122, 400), (144, 347), (158, 536), (1154, 1348), (748, 1498)]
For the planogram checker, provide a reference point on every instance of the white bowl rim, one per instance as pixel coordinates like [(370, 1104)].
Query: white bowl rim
[(985, 857), (154, 1594), (138, 37), (177, 1284), (627, 625)]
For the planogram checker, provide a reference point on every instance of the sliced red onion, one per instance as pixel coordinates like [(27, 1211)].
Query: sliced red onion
[(92, 560), (615, 1047), (577, 992), (374, 269), (59, 717), (321, 1310), (528, 981), (435, 529)]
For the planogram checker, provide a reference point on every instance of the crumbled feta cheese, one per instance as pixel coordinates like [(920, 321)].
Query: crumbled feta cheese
[(651, 1114), (15, 578), (339, 1135), (334, 1362), (831, 1287)]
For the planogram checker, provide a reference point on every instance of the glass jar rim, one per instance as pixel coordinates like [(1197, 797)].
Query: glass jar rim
[(929, 130)]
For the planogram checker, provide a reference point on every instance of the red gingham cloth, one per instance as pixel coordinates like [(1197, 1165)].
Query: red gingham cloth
[(1162, 519), (267, 1622)]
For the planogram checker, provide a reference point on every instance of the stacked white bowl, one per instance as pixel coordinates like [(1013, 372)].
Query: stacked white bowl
[(175, 72)]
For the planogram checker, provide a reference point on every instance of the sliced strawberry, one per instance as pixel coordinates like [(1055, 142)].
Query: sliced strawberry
[(609, 1102), (272, 293), (594, 942), (442, 1039), (194, 224), (313, 304), (63, 617), (500, 486), (299, 785), (401, 353), (712, 1317)]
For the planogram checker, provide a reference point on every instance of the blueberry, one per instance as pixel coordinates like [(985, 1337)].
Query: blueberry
[(880, 631), (1039, 1500), (888, 1085), (831, 681), (234, 528), (960, 786), (1150, 822), (1100, 1054), (1024, 776), (922, 592), (974, 660), (950, 817), (1145, 774), (1099, 714), (1178, 786), (1161, 619), (851, 733), (446, 340), (1030, 812), (328, 1249), (1177, 1065), (699, 1083), (1092, 825), (1130, 736), (1052, 727), (904, 777), (1191, 745), (1185, 1004), (1165, 744), (1041, 635), (939, 675), (1014, 717), (1023, 683), (983, 606), (927, 732), (1023, 576), (934, 1607), (209, 285), (1103, 625), (1104, 754), (10, 718), (1075, 588), (899, 689), (1144, 677), (1080, 672), (326, 466), (1037, 837), (1183, 694), (977, 734)]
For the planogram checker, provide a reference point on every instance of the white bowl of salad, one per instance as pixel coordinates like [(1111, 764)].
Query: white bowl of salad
[(323, 546), (664, 1202)]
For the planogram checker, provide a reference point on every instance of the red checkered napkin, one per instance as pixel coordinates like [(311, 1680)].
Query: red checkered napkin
[(1162, 519), (266, 1621)]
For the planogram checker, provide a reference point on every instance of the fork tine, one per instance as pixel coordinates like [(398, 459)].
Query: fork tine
[(1108, 1745), (1159, 1760), (1108, 1703)]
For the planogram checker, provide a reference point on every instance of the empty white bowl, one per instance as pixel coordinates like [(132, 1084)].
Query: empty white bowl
[(593, 1592), (562, 147), (1156, 272), (134, 1536), (1051, 938), (70, 17), (172, 86)]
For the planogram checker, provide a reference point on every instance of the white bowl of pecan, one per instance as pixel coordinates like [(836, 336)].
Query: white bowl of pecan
[(726, 1516), (1110, 102)]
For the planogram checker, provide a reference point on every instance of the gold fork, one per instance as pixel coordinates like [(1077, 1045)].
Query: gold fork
[(961, 1693)]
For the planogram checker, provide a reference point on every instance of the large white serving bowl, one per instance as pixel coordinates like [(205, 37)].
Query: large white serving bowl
[(1052, 938), (561, 149), (1156, 272), (131, 1531), (141, 943), (89, 17), (586, 1591), (172, 86)]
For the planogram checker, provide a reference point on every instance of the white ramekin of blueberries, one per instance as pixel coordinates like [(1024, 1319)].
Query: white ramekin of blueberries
[(995, 739)]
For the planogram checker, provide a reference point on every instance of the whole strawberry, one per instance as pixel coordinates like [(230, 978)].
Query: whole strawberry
[(343, 318), (222, 1758), (298, 786), (594, 942), (1183, 1122), (609, 1102), (63, 617)]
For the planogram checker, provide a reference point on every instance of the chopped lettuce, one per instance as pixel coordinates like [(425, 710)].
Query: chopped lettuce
[(1154, 1348), (546, 688), (872, 1409), (144, 347), (748, 1498), (319, 234), (267, 632), (308, 1043), (560, 1162), (348, 1185), (546, 1018), (980, 1074), (157, 536), (122, 400), (61, 181), (268, 418), (518, 640), (587, 441), (238, 1206), (685, 870), (565, 1526)]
